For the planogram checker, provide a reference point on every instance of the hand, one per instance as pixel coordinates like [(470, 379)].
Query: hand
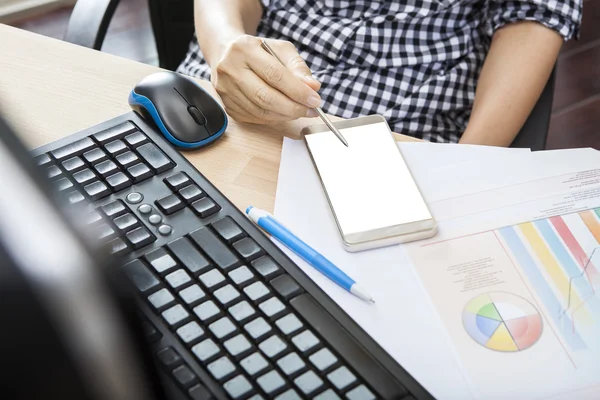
[(256, 88)]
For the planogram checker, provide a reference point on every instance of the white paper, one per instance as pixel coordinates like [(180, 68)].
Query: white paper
[(404, 320)]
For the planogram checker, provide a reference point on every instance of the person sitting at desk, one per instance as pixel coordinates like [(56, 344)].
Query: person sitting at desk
[(466, 71)]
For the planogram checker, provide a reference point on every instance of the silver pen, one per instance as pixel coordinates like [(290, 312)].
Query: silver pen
[(323, 116)]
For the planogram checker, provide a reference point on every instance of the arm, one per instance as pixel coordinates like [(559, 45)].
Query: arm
[(253, 85), (517, 67)]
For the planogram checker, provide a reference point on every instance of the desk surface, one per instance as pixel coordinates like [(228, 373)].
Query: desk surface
[(50, 88)]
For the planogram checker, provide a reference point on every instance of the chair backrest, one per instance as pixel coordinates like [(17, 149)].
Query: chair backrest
[(173, 25), (89, 22)]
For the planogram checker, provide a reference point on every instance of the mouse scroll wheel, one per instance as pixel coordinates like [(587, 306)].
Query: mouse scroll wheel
[(197, 115)]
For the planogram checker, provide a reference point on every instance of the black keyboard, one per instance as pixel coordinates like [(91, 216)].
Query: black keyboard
[(227, 313)]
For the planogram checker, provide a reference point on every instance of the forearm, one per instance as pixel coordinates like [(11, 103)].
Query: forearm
[(516, 69), (218, 22)]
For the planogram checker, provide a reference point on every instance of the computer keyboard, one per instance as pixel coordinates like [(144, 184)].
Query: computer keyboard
[(227, 313)]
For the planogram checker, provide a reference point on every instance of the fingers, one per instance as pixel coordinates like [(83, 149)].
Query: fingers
[(288, 54), (248, 112), (278, 76)]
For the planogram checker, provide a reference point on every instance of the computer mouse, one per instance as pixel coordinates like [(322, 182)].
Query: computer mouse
[(185, 113)]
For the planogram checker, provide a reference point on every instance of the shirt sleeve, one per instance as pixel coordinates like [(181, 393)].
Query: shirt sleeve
[(562, 16)]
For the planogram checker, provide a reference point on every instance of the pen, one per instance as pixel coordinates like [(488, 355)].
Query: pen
[(318, 109), (270, 225)]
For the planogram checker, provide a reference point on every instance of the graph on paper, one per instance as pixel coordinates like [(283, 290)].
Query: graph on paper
[(560, 260)]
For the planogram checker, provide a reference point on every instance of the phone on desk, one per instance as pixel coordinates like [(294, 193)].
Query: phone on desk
[(370, 189)]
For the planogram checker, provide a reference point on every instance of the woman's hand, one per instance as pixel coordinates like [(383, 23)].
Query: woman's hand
[(256, 88)]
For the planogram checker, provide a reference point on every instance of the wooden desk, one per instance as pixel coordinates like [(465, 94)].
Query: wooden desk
[(50, 88)]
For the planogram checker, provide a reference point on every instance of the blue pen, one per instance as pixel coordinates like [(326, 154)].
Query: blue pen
[(270, 225)]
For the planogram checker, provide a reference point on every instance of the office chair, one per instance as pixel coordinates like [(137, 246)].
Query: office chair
[(173, 27)]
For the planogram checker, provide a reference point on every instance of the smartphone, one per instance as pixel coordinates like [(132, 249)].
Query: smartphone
[(372, 194)]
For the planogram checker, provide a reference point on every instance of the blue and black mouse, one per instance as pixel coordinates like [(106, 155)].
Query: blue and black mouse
[(184, 112)]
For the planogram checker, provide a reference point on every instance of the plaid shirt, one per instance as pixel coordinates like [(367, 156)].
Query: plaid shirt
[(414, 62)]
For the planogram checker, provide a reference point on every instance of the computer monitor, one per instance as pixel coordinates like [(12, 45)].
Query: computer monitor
[(67, 323)]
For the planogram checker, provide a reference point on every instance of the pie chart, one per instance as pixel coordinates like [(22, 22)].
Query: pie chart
[(502, 321)]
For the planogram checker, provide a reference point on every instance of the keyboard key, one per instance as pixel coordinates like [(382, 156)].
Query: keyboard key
[(257, 328), (272, 346), (178, 278), (115, 147), (289, 324), (214, 249), (73, 164), (237, 345), (266, 267), (190, 332), (228, 229), (211, 278), (272, 307), (127, 159), (72, 149), (63, 184), (341, 377), (221, 368), (290, 394), (161, 298), (308, 382), (141, 276), (360, 393), (170, 204), (199, 392), (184, 376), (271, 381), (75, 197), (256, 291), (104, 232), (115, 132), (53, 172), (323, 359), (205, 350), (192, 294), (329, 394), (114, 209), (254, 363), (84, 176), (145, 209), (106, 168), (169, 357), (42, 159), (136, 139), (286, 286), (95, 156), (160, 260), (305, 341), (205, 207), (139, 237), (241, 275), (154, 156), (139, 172), (226, 294), (117, 247), (188, 255), (118, 182), (248, 248), (177, 181), (207, 310), (175, 315), (92, 217), (241, 311), (150, 331), (191, 193), (222, 327), (237, 387), (291, 363), (96, 190), (126, 222)]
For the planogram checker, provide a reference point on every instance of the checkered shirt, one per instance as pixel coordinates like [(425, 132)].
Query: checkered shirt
[(414, 62)]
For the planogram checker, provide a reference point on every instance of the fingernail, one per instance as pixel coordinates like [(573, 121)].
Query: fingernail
[(314, 101), (310, 78), (311, 113)]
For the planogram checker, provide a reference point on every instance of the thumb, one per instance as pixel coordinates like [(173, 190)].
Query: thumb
[(293, 61)]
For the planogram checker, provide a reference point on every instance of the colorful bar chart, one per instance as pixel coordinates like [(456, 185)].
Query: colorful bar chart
[(559, 269)]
